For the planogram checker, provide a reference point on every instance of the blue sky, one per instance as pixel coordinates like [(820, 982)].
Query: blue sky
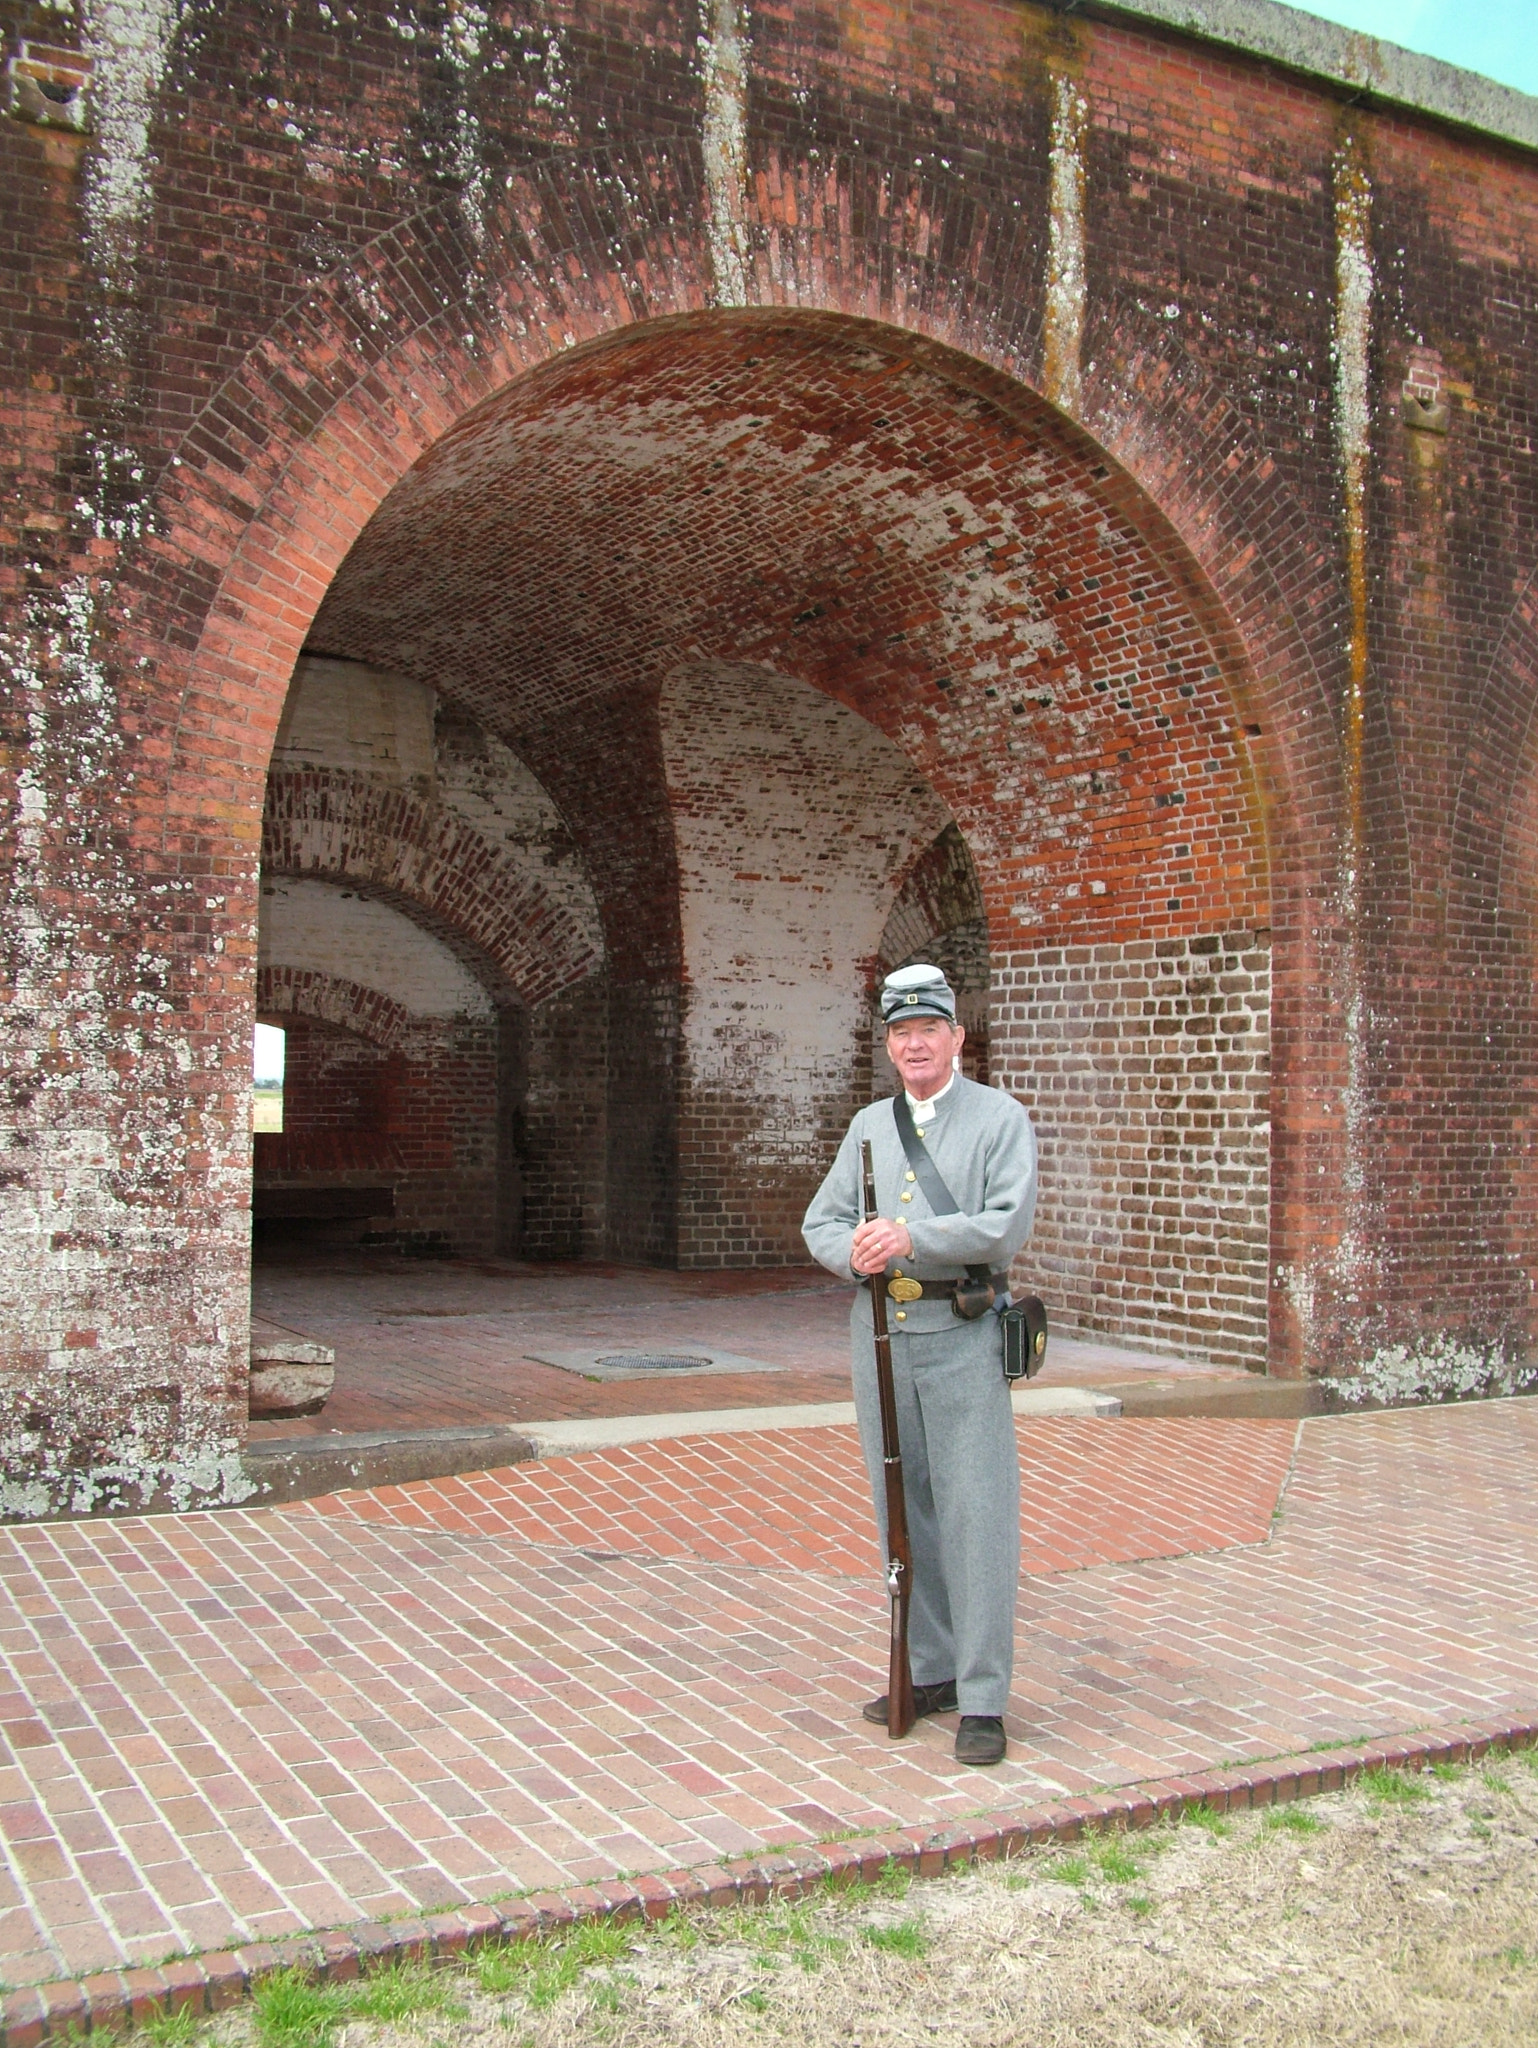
[(1497, 37)]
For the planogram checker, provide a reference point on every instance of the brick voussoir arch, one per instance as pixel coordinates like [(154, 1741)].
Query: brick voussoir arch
[(382, 840), (280, 472), (332, 999), (284, 467), (1279, 622)]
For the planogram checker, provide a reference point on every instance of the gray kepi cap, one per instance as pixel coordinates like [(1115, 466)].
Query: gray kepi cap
[(918, 991)]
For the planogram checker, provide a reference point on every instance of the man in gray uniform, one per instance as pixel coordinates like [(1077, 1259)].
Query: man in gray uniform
[(954, 1416)]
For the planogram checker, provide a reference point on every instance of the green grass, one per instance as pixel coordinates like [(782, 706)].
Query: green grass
[(907, 1939), (170, 2029), (793, 1929), (1207, 1818), (1117, 1866), (1293, 1820), (544, 1971), (1072, 1870), (1496, 1780), (1139, 1903), (294, 2011), (680, 1929), (1385, 1785)]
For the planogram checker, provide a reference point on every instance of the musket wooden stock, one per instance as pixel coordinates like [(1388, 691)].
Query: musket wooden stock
[(899, 1571)]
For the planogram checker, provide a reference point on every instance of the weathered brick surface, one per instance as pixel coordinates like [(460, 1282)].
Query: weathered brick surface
[(1145, 1067), (539, 366)]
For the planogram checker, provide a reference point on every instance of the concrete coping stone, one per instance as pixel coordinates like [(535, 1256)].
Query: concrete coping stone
[(287, 1469), (1367, 66), (602, 1432), (116, 1999)]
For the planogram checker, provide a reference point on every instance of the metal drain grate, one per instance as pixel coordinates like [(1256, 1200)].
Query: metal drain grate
[(655, 1361)]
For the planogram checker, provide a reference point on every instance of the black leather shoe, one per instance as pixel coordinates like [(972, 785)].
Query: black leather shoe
[(927, 1699), (980, 1739)]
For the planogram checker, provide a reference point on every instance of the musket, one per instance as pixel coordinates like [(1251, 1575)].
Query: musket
[(899, 1569)]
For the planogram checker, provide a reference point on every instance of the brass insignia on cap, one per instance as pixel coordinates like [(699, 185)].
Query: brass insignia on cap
[(901, 1289)]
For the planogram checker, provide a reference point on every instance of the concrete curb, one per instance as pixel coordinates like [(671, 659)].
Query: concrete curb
[(604, 1432), (118, 1999), (287, 1469)]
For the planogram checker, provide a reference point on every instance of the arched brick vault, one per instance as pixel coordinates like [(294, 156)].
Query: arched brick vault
[(281, 473), (331, 999), (277, 476), (380, 840), (826, 498)]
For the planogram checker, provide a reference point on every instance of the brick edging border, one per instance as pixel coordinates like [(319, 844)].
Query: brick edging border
[(117, 1999)]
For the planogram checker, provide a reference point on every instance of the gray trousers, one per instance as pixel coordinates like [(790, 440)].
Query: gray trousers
[(961, 1477)]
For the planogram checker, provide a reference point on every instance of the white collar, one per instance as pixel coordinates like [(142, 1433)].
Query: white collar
[(923, 1112)]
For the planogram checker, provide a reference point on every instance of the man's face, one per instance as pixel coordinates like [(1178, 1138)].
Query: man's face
[(922, 1049)]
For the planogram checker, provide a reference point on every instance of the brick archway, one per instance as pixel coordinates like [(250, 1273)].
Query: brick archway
[(959, 574), (331, 999), (379, 839), (281, 471), (418, 381), (282, 474)]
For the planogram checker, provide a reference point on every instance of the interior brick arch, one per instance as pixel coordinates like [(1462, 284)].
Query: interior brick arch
[(331, 999), (1005, 609), (377, 1097), (381, 839)]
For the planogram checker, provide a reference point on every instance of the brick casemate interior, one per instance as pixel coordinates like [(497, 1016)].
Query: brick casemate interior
[(677, 693)]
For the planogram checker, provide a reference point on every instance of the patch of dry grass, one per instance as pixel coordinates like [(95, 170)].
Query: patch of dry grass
[(1404, 1911)]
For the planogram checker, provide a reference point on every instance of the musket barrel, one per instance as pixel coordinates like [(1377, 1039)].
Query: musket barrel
[(900, 1707)]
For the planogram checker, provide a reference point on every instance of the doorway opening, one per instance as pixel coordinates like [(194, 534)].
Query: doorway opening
[(680, 692)]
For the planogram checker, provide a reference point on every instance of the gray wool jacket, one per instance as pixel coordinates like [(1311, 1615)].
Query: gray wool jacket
[(982, 1142)]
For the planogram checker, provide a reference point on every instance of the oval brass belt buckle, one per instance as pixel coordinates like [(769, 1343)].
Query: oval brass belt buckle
[(903, 1289)]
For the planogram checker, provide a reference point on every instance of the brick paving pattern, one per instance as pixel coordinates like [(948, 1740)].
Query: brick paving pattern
[(226, 1728), (797, 1498)]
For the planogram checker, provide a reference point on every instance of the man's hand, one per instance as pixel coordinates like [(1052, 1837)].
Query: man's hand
[(877, 1243)]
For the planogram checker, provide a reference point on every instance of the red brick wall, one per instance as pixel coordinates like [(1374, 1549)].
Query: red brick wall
[(1146, 1069), (341, 298)]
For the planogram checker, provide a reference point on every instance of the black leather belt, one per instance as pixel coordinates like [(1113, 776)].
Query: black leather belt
[(901, 1288)]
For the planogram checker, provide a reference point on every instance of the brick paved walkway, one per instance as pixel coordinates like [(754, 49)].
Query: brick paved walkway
[(1147, 1489), (227, 1727)]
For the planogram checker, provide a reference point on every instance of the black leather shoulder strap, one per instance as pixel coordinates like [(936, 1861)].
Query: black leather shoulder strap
[(925, 1172)]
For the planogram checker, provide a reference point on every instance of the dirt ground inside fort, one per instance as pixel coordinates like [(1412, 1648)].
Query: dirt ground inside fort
[(1405, 1910)]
